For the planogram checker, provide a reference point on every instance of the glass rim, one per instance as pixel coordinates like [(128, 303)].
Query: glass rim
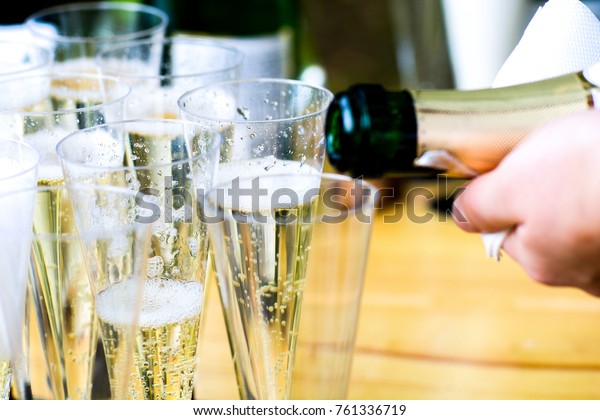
[(85, 165), (321, 176), (58, 76), (30, 149), (46, 53), (328, 95), (236, 53), (36, 17)]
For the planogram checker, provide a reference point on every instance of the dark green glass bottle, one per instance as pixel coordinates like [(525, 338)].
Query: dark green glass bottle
[(266, 31), (371, 131)]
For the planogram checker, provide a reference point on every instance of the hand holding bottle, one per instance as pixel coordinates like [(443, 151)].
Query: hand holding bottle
[(547, 191)]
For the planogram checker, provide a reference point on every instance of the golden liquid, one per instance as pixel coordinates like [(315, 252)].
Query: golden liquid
[(165, 340), (5, 378), (75, 113), (261, 269), (61, 317), (61, 297), (179, 243)]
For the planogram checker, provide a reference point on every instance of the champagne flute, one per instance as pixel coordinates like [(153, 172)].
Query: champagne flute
[(300, 239), (18, 170), (165, 161), (76, 32), (101, 238), (61, 294), (160, 72), (39, 110), (265, 126), (115, 246)]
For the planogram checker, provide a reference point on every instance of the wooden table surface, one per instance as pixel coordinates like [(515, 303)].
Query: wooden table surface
[(439, 320)]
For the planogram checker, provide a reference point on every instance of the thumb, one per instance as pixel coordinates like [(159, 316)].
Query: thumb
[(484, 205)]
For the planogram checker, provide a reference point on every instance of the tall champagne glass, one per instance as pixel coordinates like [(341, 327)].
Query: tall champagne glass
[(39, 110), (265, 126), (165, 161), (299, 239), (115, 241), (160, 72), (18, 171)]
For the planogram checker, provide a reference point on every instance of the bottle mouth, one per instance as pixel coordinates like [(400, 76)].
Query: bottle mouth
[(370, 132), (349, 136), (335, 133)]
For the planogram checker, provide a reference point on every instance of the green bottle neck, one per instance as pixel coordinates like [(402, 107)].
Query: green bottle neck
[(370, 131)]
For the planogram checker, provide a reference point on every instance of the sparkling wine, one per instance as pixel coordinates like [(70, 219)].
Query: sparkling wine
[(261, 269), (61, 295), (165, 338), (5, 378)]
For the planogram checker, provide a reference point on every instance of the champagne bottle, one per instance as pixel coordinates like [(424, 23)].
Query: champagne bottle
[(371, 131), (266, 31)]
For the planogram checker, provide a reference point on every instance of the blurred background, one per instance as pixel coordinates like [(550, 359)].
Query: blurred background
[(396, 43), (438, 319)]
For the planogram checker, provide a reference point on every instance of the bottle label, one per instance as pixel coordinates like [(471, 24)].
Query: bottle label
[(264, 55)]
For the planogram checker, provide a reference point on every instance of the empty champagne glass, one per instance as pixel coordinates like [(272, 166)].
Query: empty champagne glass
[(264, 126), (165, 162), (18, 171), (76, 32)]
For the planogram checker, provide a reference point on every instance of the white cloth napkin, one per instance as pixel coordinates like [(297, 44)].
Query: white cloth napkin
[(17, 33), (562, 37)]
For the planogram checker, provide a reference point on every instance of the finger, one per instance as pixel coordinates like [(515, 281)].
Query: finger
[(484, 205)]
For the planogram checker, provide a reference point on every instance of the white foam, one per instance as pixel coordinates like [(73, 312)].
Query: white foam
[(164, 302), (149, 100), (280, 182), (50, 173), (23, 93), (158, 129), (45, 141), (87, 88), (94, 148), (76, 65)]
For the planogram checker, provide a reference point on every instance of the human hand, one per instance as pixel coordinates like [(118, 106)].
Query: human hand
[(548, 190)]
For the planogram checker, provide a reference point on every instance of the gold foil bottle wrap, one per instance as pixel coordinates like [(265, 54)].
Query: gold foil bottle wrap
[(480, 127)]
